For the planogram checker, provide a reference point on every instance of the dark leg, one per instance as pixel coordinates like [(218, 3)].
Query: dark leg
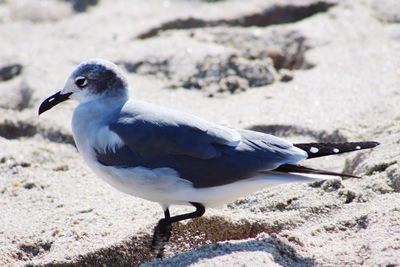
[(166, 214), (162, 232)]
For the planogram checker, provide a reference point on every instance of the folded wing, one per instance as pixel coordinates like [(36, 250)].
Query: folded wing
[(150, 129), (201, 152)]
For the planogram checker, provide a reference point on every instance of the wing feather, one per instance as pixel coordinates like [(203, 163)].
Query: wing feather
[(145, 127), (203, 153)]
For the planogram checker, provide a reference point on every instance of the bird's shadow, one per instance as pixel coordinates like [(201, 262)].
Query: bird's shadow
[(281, 253), (188, 245)]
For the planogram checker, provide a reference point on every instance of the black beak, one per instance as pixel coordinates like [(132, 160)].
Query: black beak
[(52, 101)]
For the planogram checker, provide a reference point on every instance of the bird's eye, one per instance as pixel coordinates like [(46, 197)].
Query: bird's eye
[(81, 81)]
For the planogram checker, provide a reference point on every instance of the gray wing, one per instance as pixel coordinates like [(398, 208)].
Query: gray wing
[(199, 151), (150, 129)]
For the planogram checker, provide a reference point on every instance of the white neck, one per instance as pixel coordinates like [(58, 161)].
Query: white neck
[(91, 116)]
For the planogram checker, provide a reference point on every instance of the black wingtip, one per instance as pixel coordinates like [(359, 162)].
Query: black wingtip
[(375, 143), (368, 144), (315, 150)]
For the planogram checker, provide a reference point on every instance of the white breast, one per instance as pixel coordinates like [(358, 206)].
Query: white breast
[(91, 132)]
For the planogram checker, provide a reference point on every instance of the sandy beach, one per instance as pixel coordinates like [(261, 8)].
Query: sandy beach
[(304, 70)]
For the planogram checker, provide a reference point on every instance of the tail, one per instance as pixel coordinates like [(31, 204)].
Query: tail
[(290, 168), (315, 150)]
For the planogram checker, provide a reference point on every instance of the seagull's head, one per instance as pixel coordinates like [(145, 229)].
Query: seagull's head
[(90, 80)]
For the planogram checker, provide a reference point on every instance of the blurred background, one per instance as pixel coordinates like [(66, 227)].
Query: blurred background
[(305, 70)]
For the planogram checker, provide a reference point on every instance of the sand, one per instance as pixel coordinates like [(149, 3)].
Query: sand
[(323, 71)]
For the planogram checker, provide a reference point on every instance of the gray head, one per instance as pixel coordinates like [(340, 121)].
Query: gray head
[(91, 79), (95, 77)]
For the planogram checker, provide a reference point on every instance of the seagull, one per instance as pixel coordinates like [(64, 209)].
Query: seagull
[(174, 158)]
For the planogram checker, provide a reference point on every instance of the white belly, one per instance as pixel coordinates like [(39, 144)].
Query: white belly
[(164, 186)]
